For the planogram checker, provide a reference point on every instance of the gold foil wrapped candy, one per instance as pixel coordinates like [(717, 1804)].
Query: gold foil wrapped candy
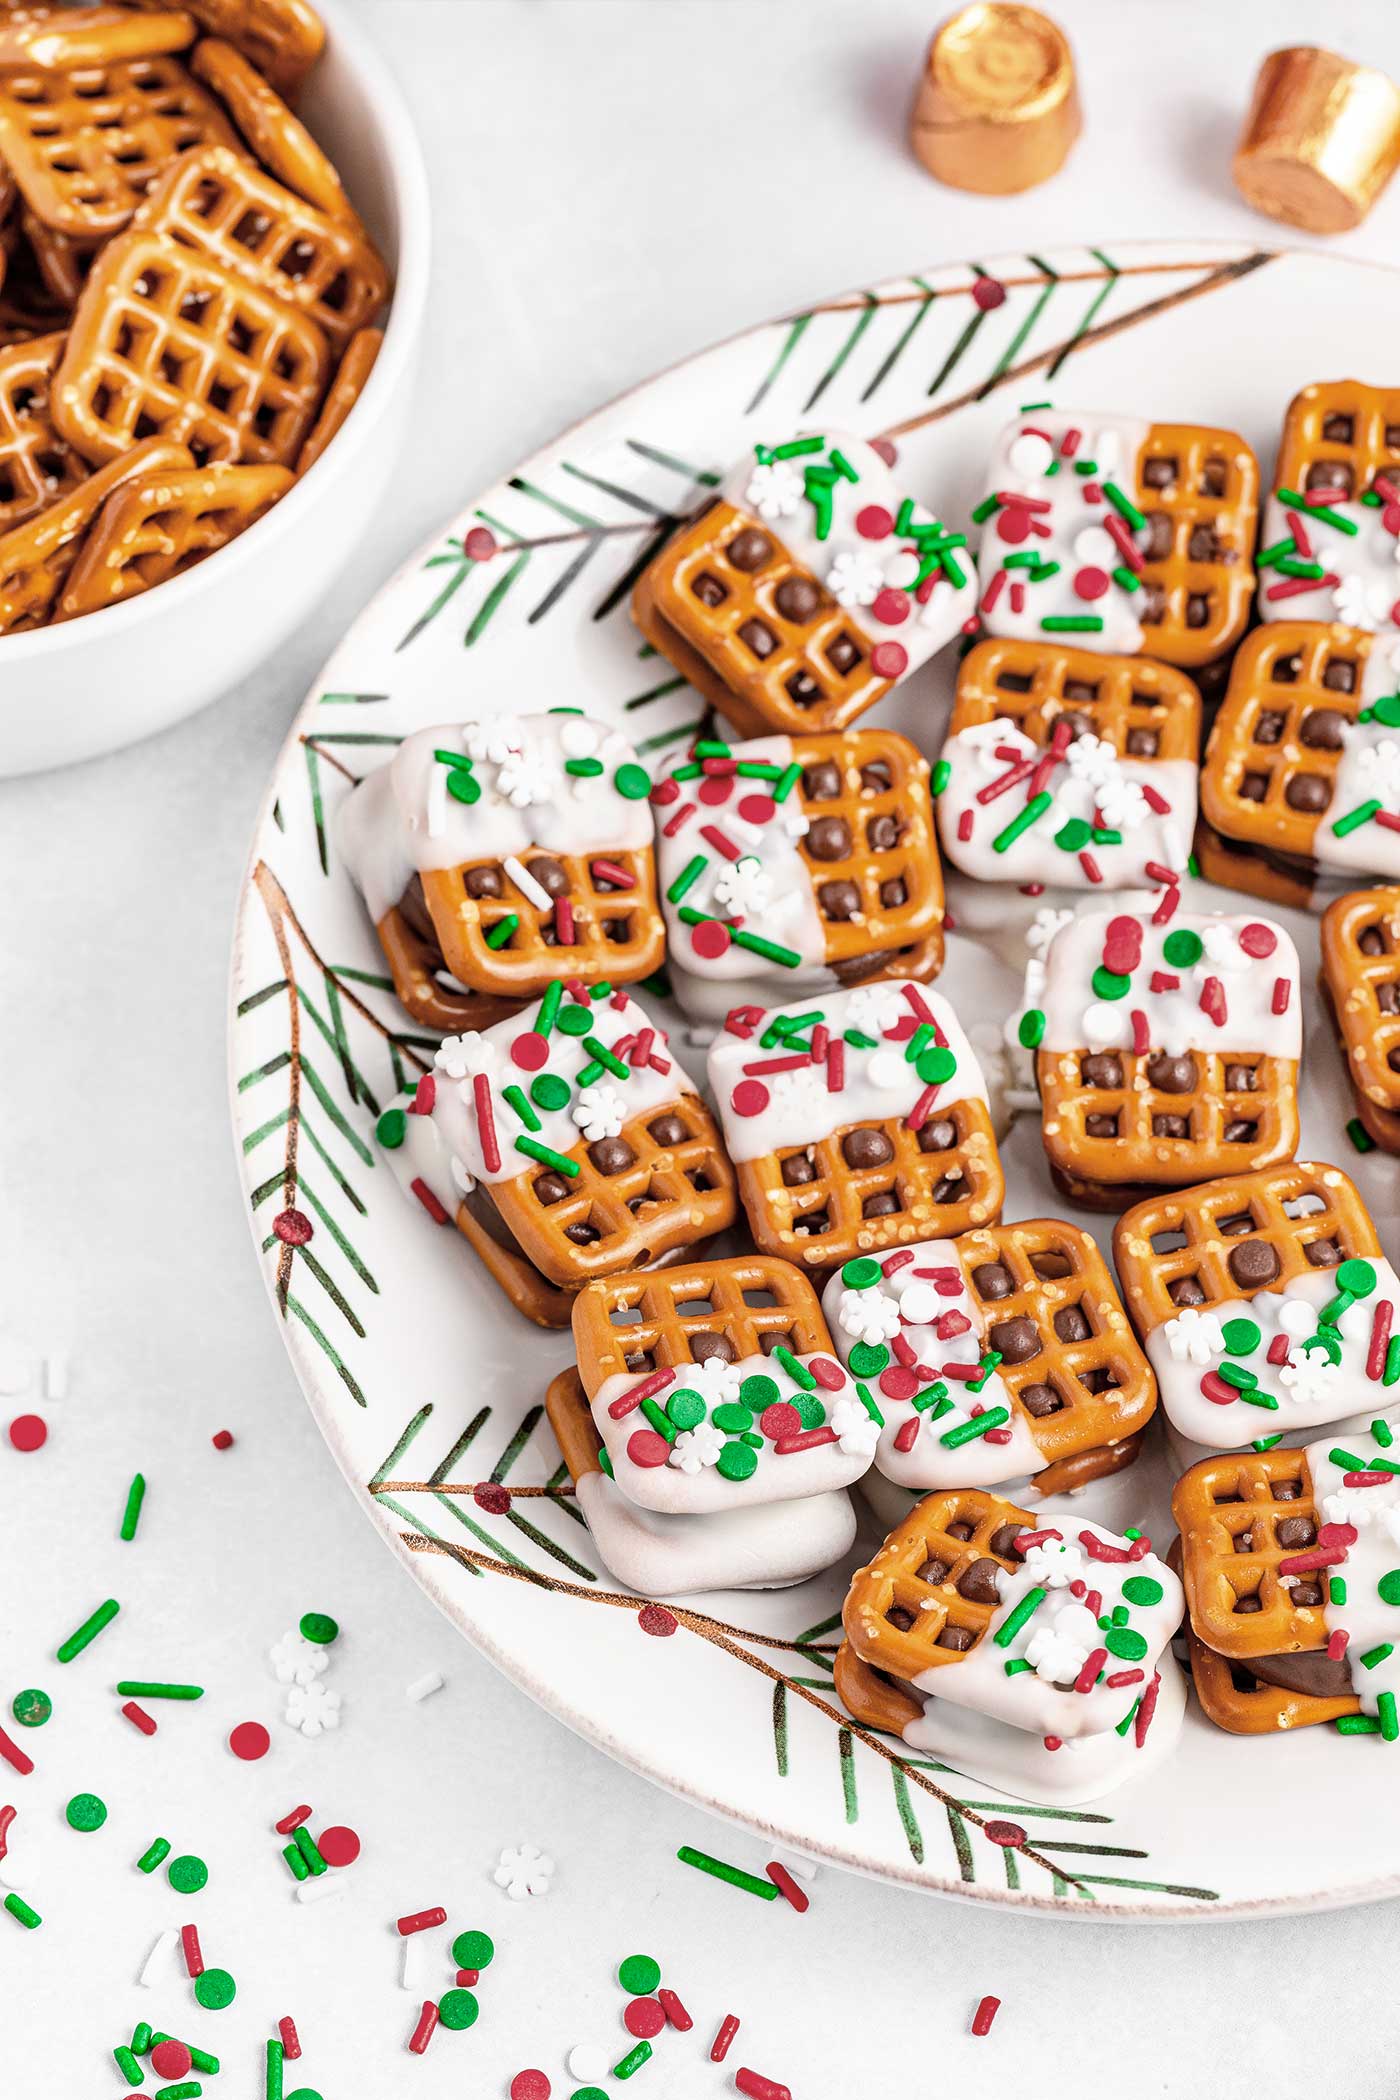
[(997, 108), (1321, 140)]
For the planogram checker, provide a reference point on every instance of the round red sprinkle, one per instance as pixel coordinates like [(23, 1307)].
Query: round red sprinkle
[(1013, 524), (874, 522), (780, 1418), (1091, 582), (716, 788), (479, 544), (1009, 1834), (891, 606), (749, 1098), (1390, 517), (292, 1227), (888, 453), (171, 2059), (492, 1497), (757, 809), (654, 1618), (644, 2018), (529, 2085), (665, 791), (250, 1741), (646, 1448), (987, 294), (27, 1432), (709, 939), (827, 1373), (529, 1051), (1258, 940), (339, 1846), (889, 659), (1395, 614), (897, 1383)]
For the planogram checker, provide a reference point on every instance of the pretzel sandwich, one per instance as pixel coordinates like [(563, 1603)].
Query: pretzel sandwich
[(807, 588), (1000, 1356), (566, 1143), (790, 864), (1332, 525), (1263, 1301), (713, 1388), (1166, 1048), (763, 1546), (524, 842), (1361, 983), (856, 1125), (1068, 768), (1119, 534), (1271, 877)]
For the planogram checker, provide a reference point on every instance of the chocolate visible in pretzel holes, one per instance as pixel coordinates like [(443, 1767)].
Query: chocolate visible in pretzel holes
[(1361, 981), (1330, 527)]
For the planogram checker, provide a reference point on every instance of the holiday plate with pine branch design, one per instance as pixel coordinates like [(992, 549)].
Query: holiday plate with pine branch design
[(429, 1391)]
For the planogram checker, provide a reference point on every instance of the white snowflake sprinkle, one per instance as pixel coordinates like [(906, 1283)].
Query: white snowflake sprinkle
[(459, 1056), (1357, 602), (298, 1661), (1093, 760), (857, 1431), (490, 742), (312, 1708), (1194, 1336), (694, 1449), (526, 777), (599, 1111), (523, 1870), (855, 578), (870, 1315), (774, 491), (1056, 1563), (1310, 1377), (744, 887), (715, 1379)]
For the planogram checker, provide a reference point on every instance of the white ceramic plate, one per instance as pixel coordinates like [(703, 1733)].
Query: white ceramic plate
[(425, 1385)]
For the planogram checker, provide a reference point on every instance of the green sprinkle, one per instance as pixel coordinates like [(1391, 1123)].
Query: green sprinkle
[(1241, 1336), (757, 945), (1017, 1666), (635, 2058), (515, 1096), (131, 1515), (188, 1874), (501, 932), (309, 1850), (934, 1396), (1386, 1715), (463, 786), (1277, 553), (153, 1855), (1016, 1618), (605, 1464), (1377, 1654), (1357, 1277), (1030, 1030), (1388, 1588), (1348, 1463), (735, 1876), (88, 1631), (1382, 1432), (584, 768), (860, 1274), (986, 508), (31, 1708), (709, 747), (1022, 821), (1129, 1717), (867, 1401), (976, 1426), (690, 874), (587, 1074), (86, 1812), (737, 1461), (575, 1020), (549, 1007), (1125, 578), (453, 759), (1142, 1589), (732, 1418), (1238, 1376), (1125, 1643), (1182, 948), (1337, 1590), (1124, 506), (18, 1908), (547, 1156), (1316, 514), (756, 1392), (1110, 984), (1355, 818), (391, 1129), (318, 1627), (942, 774), (633, 782), (126, 2063), (215, 1989), (142, 2036), (687, 1410), (1392, 1361), (473, 1950), (1254, 1398), (1025, 560), (188, 2089), (549, 1092), (458, 2009), (797, 1372), (935, 1065), (606, 1058), (1266, 1443), (1108, 838), (755, 769), (144, 1688), (843, 465), (272, 2076), (868, 1359), (1357, 1724), (787, 781), (1071, 623), (299, 1869)]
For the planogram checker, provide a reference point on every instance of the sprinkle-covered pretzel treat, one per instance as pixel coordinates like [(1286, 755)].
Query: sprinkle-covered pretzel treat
[(1332, 524), (1361, 983)]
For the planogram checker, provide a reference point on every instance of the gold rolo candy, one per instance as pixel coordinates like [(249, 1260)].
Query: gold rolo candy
[(997, 109), (1321, 139)]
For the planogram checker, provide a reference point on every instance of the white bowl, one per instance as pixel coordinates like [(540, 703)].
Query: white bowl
[(94, 684)]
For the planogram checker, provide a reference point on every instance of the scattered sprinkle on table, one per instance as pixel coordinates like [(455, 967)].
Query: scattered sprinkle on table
[(187, 1874), (31, 1708), (639, 1974), (722, 1871), (529, 2085), (222, 1439), (423, 1687), (458, 2009), (18, 1908), (143, 1688), (28, 1432), (423, 2032), (423, 1921), (786, 1886), (586, 2061), (88, 1631), (13, 1755), (215, 1989), (158, 1960), (473, 1950), (171, 2058), (190, 1947), (156, 1851), (985, 2014), (131, 1515), (138, 1717), (719, 2047), (644, 2018), (249, 1741), (339, 1846), (86, 1812), (318, 1626), (757, 2087)]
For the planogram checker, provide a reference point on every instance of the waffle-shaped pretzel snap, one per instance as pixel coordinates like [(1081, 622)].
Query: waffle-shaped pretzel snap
[(1263, 1301), (164, 338), (531, 840), (63, 262), (1236, 1698), (1291, 1562), (856, 1124), (279, 138), (569, 1136), (1119, 534), (157, 525), (37, 556), (345, 390), (1361, 979), (1054, 1628), (222, 205), (713, 1387), (85, 146), (1304, 758), (1166, 1047), (36, 467), (63, 39), (1068, 768), (809, 587), (990, 1357), (1332, 524), (796, 863), (756, 1547), (282, 38)]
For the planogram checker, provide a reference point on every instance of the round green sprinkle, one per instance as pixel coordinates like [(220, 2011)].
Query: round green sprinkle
[(1182, 948), (216, 1988), (1030, 1030), (1388, 1588), (318, 1626), (868, 1359), (1074, 835), (187, 1873), (1387, 710), (87, 1812), (639, 1974), (1241, 1336), (589, 2092), (458, 2008), (732, 1418), (934, 1066), (757, 1392), (1123, 1642), (860, 1274), (550, 1091), (1358, 1277), (811, 1410), (473, 1950), (32, 1708), (462, 784), (1239, 1376), (392, 1129), (303, 2092), (1109, 984), (574, 1020), (634, 782), (685, 1409), (1142, 1589), (736, 1462)]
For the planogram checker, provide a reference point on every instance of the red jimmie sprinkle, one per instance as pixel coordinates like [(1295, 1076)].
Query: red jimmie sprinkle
[(1156, 801), (290, 1821), (965, 826), (808, 1441), (718, 768), (645, 1389), (1006, 780), (1122, 1677), (563, 922), (923, 1107), (1026, 1539), (1167, 904), (291, 2041), (427, 2021), (425, 1095), (1142, 1034), (429, 1201), (1278, 1349), (835, 1066), (682, 816), (13, 1755), (899, 1260), (665, 791), (963, 1371), (1337, 1535), (222, 1439), (1337, 1644), (1089, 1675), (486, 1123), (1092, 870), (1099, 1549), (189, 1947), (1155, 872), (721, 842), (467, 1977), (719, 2047), (139, 1718), (612, 871), (1366, 1480), (1282, 990), (757, 2087), (1147, 1707), (907, 1435), (422, 1920), (781, 1879), (950, 1323), (795, 1063), (1304, 1563), (994, 590), (1380, 1335), (675, 2012), (987, 2010), (1212, 1002)]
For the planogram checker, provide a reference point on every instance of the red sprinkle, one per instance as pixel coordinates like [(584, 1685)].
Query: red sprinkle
[(965, 826), (1304, 1563), (721, 841), (1089, 1675), (291, 2041), (1169, 902), (612, 871), (665, 791), (139, 1718), (656, 1620), (1216, 1389), (808, 1441), (467, 1977), (427, 2021), (675, 2012), (874, 522), (757, 2087), (1163, 981), (339, 1846), (646, 1447), (907, 1435), (710, 939), (750, 1097), (682, 816), (798, 1062), (827, 1374), (222, 1440), (1099, 1549), (189, 1944), (889, 660), (923, 1107), (950, 1323), (1337, 1644), (486, 1123), (645, 1389), (891, 607), (644, 2017), (719, 2047), (530, 2085), (13, 1755), (780, 1418), (479, 544), (836, 1066), (1278, 1349), (171, 2058), (429, 1201), (781, 1879), (290, 1821), (1212, 1002), (1282, 989), (1090, 583), (529, 1051), (1257, 939), (987, 294), (563, 922), (988, 2008), (1146, 1708), (1122, 1677), (1380, 1335), (1156, 802), (1142, 1034), (422, 1920), (1091, 868), (898, 1383)]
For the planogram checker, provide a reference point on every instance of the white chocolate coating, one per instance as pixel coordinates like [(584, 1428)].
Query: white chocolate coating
[(735, 1549), (1370, 1622), (1369, 770), (1365, 567)]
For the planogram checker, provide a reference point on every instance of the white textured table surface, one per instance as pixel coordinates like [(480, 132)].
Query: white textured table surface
[(600, 168)]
